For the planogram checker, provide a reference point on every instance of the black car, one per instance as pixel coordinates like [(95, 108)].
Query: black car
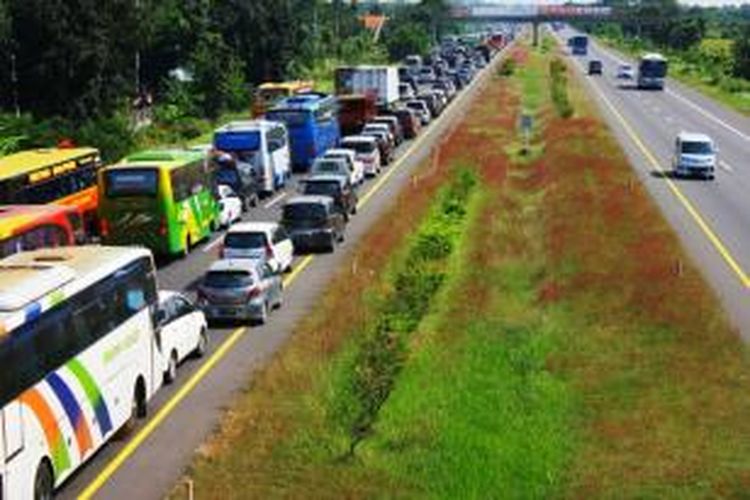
[(241, 179), (313, 222), (595, 67), (338, 187)]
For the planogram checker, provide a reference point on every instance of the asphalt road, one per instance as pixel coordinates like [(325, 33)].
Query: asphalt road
[(712, 218), (181, 416)]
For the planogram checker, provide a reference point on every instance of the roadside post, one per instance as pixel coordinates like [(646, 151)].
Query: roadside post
[(527, 123)]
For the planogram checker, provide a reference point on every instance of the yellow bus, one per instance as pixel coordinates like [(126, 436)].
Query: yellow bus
[(269, 93)]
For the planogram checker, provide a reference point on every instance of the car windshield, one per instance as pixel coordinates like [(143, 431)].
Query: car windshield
[(245, 240), (131, 182), (326, 188), (697, 148), (361, 147), (304, 211), (228, 279), (332, 166)]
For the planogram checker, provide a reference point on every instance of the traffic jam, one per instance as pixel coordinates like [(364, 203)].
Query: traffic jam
[(88, 336)]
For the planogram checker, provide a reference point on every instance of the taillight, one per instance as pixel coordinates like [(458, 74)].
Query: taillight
[(104, 226), (163, 226), (254, 292), (269, 251)]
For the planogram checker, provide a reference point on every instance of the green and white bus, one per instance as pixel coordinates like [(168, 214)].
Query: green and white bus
[(163, 200), (80, 355)]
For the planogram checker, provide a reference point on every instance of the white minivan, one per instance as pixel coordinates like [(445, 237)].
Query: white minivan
[(694, 155), (259, 241), (261, 143)]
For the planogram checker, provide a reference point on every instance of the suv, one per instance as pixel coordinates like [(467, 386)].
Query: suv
[(313, 222), (694, 155), (385, 146), (331, 166), (355, 166), (393, 124), (240, 289), (420, 107), (258, 240), (367, 151), (409, 121), (595, 67), (337, 187)]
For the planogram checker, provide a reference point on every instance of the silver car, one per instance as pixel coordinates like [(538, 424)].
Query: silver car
[(241, 289)]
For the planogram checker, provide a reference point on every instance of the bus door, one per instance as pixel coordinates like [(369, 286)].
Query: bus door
[(12, 445)]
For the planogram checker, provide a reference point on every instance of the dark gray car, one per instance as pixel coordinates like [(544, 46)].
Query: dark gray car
[(313, 222), (337, 187)]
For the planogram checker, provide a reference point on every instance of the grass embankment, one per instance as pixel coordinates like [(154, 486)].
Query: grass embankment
[(699, 69), (551, 340)]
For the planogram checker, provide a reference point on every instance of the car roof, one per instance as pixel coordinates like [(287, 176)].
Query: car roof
[(338, 151), (227, 265), (306, 199), (358, 138), (694, 137), (252, 227), (165, 295), (328, 159)]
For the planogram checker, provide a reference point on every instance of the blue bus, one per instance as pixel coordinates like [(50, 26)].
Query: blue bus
[(312, 121), (579, 45)]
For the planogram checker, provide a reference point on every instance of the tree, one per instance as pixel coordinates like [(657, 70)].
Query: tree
[(405, 39), (741, 53)]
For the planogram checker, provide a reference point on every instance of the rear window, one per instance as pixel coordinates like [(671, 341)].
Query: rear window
[(131, 182), (228, 279), (245, 240), (305, 211), (360, 147), (327, 166), (326, 188)]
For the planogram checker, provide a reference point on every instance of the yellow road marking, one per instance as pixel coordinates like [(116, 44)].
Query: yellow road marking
[(720, 247), (183, 392)]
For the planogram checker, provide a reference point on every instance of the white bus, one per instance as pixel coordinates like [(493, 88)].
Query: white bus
[(79, 358)]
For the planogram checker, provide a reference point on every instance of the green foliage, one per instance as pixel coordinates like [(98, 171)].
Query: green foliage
[(371, 373), (741, 54), (559, 88), (405, 39), (507, 67)]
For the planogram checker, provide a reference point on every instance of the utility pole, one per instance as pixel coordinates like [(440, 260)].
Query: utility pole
[(14, 84)]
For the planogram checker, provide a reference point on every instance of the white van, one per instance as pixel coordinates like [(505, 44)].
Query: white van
[(694, 155), (263, 144)]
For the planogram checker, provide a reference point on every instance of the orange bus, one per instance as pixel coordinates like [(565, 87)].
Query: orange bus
[(28, 227), (61, 176), (269, 93)]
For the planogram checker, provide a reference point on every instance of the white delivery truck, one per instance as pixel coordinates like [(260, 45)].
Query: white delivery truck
[(381, 81)]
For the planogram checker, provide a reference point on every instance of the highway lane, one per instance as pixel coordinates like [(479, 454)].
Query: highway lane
[(712, 218), (184, 414)]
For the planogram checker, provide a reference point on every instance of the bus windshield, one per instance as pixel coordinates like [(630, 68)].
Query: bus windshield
[(131, 182), (655, 69)]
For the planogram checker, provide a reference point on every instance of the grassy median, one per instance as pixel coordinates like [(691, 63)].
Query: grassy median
[(519, 326)]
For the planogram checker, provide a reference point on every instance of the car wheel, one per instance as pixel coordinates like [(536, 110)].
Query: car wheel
[(171, 374), (263, 319), (202, 348), (280, 302), (341, 237), (332, 243), (44, 482)]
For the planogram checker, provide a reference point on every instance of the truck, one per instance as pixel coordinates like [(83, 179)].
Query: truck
[(579, 45), (355, 110), (381, 81), (652, 71)]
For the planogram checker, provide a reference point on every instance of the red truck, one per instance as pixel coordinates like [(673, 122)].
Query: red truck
[(354, 111)]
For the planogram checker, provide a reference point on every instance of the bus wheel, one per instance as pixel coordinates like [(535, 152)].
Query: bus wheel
[(187, 247), (44, 482)]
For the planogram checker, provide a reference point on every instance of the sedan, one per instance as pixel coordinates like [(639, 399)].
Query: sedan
[(182, 331)]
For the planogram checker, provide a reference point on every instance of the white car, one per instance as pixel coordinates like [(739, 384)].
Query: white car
[(182, 331), (625, 72), (367, 152), (259, 241), (695, 155), (230, 205), (356, 167), (380, 128)]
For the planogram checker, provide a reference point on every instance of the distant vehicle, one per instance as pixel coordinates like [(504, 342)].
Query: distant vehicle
[(694, 155), (312, 122), (652, 72), (354, 111), (241, 289), (422, 109), (163, 200), (405, 91), (367, 151), (230, 205), (355, 167), (393, 124), (379, 81), (426, 73), (261, 143), (625, 72), (28, 227), (579, 45), (413, 62), (331, 166), (269, 93), (60, 176), (595, 67), (238, 176), (183, 331), (433, 101), (382, 127), (78, 333), (337, 187), (259, 240), (313, 222), (409, 121), (384, 142)]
